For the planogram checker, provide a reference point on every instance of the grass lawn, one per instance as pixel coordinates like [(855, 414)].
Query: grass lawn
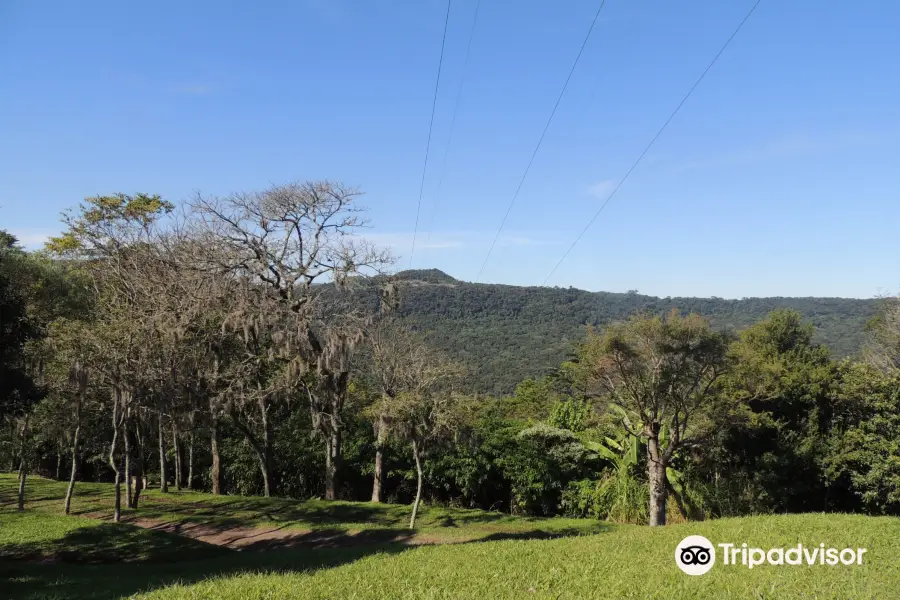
[(617, 562), (341, 522)]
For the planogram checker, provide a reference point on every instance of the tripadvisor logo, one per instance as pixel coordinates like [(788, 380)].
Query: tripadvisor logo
[(696, 555)]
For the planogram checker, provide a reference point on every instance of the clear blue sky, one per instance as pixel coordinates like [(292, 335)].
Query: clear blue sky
[(780, 176)]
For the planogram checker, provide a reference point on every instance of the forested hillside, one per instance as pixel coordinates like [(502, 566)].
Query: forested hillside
[(151, 355), (512, 332)]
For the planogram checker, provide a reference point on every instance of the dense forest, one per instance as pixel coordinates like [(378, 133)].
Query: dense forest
[(515, 332), (251, 344)]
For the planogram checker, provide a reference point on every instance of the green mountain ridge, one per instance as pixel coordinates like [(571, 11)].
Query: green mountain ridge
[(507, 333)]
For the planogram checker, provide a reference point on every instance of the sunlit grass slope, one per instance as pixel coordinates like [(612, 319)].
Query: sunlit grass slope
[(43, 554), (625, 562)]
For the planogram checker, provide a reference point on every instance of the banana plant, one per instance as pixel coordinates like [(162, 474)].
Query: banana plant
[(626, 451)]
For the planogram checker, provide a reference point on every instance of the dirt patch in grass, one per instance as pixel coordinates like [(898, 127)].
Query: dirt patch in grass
[(269, 538), (237, 537)]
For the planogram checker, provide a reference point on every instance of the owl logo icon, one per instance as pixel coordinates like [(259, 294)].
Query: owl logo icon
[(695, 555)]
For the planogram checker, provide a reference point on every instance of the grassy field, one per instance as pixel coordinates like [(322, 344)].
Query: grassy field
[(615, 562), (338, 523)]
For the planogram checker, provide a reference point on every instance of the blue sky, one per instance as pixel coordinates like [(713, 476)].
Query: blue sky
[(780, 176)]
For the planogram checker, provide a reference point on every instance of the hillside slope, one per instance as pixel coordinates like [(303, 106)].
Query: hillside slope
[(509, 332)]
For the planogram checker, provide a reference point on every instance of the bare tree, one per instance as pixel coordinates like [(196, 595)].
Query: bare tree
[(279, 243), (662, 369)]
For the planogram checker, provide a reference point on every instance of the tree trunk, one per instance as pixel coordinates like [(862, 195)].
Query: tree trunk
[(139, 479), (129, 493), (59, 460), (176, 449), (216, 471), (656, 470), (378, 483), (23, 465), (263, 449), (266, 454), (264, 470), (71, 489), (117, 512), (163, 483), (332, 463), (190, 473), (23, 473), (13, 459), (415, 511)]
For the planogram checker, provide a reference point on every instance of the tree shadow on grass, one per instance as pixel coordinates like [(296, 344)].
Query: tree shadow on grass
[(540, 534), (109, 542), (91, 568), (116, 561), (252, 511)]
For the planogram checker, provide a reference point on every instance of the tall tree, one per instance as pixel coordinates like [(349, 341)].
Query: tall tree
[(772, 430), (663, 369), (111, 240), (17, 388), (282, 241)]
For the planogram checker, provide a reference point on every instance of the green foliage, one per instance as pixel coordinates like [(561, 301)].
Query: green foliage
[(771, 430), (533, 399), (864, 455), (509, 333), (570, 414), (16, 328), (788, 429), (619, 497), (539, 462), (96, 218)]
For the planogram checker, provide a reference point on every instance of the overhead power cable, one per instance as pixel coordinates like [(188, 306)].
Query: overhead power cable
[(459, 90), (437, 83), (652, 141), (541, 139)]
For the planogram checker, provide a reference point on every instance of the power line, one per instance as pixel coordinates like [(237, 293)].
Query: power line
[(536, 148), (459, 90), (653, 141), (430, 127)]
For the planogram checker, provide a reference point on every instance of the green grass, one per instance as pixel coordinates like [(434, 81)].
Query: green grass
[(627, 562), (39, 537), (617, 562), (357, 520)]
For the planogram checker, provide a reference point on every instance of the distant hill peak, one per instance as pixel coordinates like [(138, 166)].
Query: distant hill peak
[(426, 275)]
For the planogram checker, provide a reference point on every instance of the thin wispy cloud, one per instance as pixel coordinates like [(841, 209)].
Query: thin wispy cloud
[(796, 145), (33, 239), (194, 89), (602, 189)]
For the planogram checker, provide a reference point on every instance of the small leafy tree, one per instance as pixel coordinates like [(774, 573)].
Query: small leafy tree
[(417, 404), (539, 462), (663, 369)]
